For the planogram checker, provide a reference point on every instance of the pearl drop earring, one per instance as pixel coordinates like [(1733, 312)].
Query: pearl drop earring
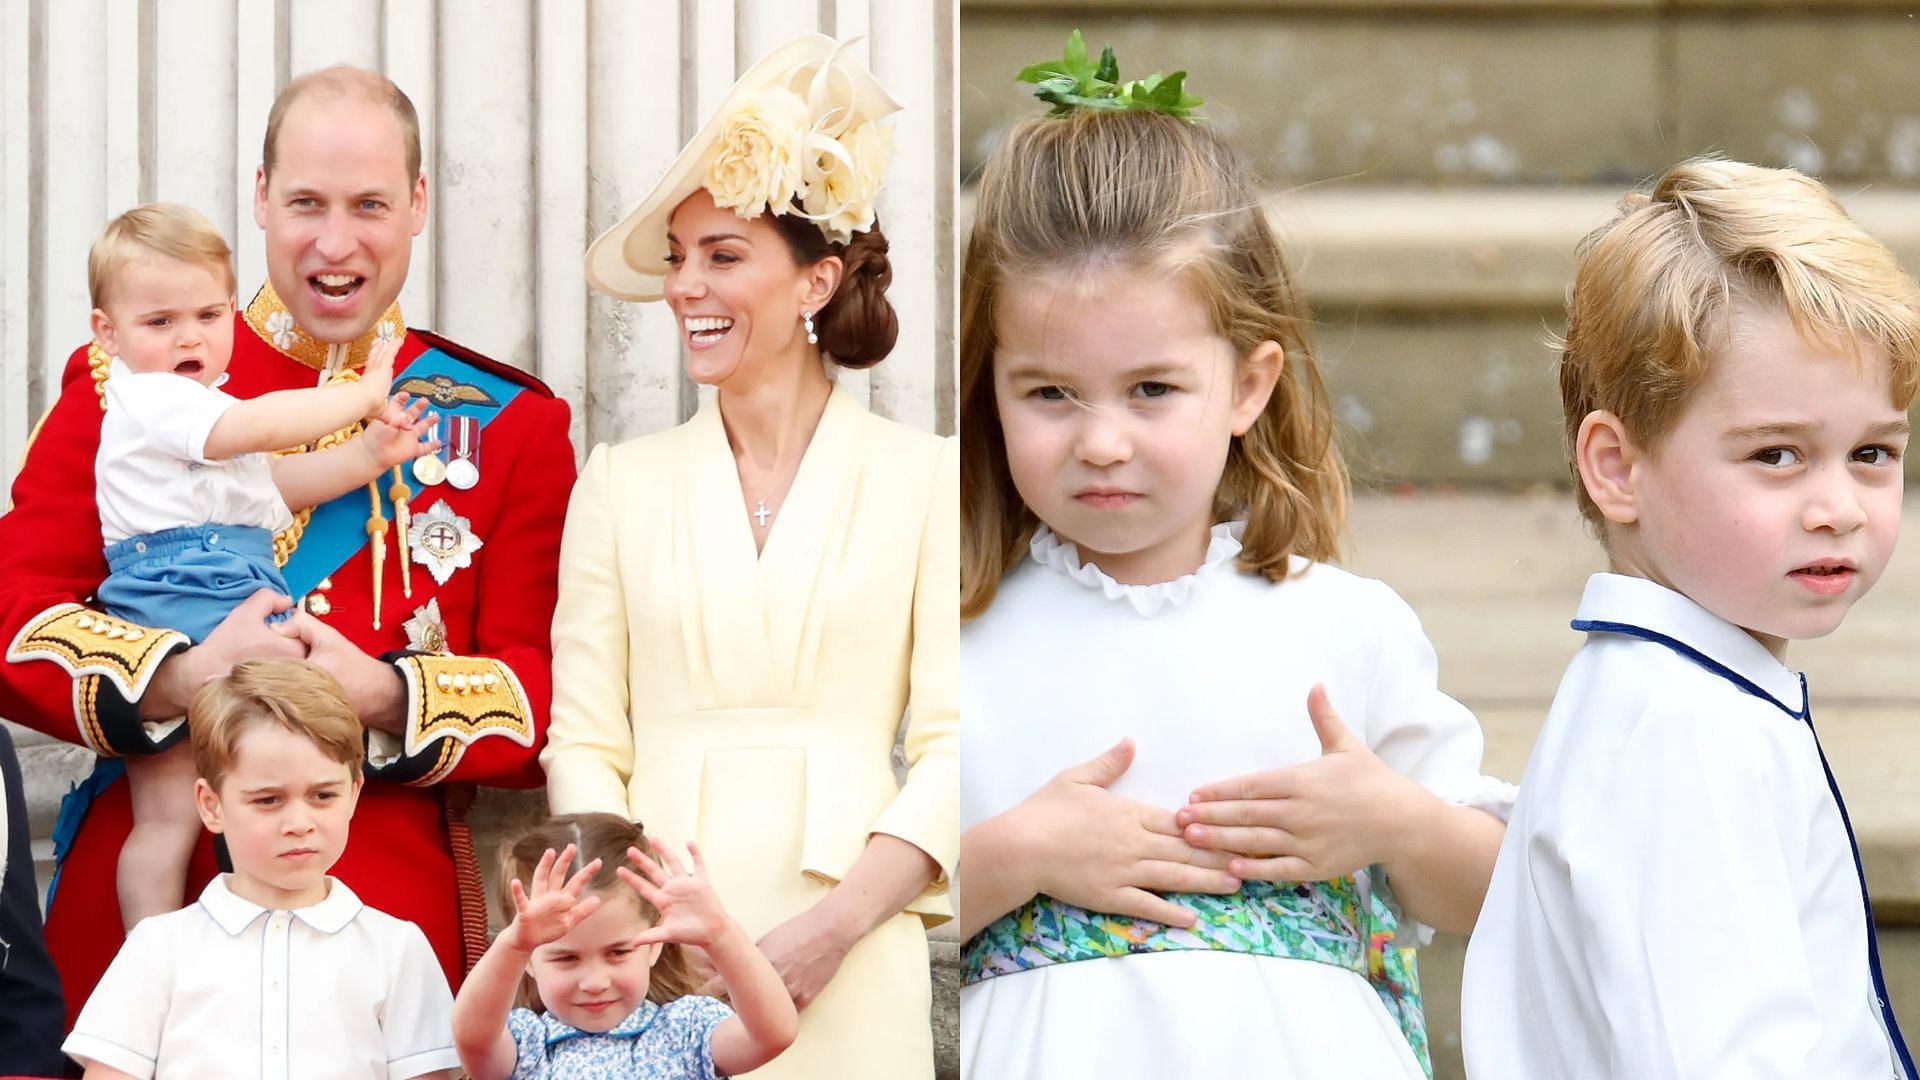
[(806, 318)]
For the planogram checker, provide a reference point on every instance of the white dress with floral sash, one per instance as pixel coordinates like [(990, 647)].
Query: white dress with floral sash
[(1209, 676)]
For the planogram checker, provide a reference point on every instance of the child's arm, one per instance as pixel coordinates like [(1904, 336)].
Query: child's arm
[(486, 997), (97, 1071), (1076, 841), (1346, 810), (288, 418), (392, 438), (764, 1022)]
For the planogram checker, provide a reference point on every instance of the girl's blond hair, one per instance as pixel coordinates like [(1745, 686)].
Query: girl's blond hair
[(1144, 191), (594, 836)]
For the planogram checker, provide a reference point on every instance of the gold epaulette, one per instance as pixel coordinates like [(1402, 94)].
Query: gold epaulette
[(459, 700)]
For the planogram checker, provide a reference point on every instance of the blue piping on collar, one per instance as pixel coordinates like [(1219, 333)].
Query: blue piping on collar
[(1598, 626)]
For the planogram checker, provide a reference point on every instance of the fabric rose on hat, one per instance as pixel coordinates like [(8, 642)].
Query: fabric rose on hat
[(760, 166), (843, 180)]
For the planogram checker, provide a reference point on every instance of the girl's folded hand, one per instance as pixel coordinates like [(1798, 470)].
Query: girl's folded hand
[(1082, 844)]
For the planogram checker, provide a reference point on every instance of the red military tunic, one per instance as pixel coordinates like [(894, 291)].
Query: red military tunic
[(476, 703)]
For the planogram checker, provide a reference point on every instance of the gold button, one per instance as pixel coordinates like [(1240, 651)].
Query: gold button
[(134, 633), (444, 681), (319, 605), (460, 684), (84, 622), (325, 584)]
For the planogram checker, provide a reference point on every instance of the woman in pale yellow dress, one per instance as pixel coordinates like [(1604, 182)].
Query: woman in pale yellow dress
[(750, 602)]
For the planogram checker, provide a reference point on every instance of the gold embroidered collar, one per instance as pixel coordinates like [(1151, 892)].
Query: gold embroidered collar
[(274, 323)]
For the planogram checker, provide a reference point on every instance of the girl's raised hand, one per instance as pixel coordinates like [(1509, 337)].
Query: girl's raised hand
[(690, 912), (1093, 849), (1321, 819), (555, 905)]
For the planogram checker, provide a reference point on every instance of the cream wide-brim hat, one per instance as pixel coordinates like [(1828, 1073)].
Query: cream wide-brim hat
[(630, 260)]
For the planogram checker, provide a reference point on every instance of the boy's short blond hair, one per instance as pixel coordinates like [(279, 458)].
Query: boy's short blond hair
[(295, 694), (1656, 288), (166, 229)]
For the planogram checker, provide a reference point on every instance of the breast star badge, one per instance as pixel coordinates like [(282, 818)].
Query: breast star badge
[(443, 541), (427, 631)]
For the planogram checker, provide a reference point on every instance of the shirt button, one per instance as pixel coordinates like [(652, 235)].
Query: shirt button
[(140, 546)]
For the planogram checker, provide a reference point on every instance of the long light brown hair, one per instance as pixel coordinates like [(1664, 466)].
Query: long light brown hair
[(594, 836), (1143, 191)]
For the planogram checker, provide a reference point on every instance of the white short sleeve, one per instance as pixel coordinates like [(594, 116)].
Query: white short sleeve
[(165, 410), (1414, 727), (418, 1022), (120, 1025)]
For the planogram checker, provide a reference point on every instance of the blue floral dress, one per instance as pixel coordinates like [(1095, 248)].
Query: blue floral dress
[(656, 1042)]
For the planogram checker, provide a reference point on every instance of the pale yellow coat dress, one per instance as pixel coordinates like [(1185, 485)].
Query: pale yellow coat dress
[(751, 703)]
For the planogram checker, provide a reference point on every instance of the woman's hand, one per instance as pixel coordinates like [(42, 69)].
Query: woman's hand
[(1322, 819), (807, 951), (555, 905), (1091, 848)]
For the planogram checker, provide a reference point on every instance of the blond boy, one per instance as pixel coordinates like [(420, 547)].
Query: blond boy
[(188, 494), (1679, 893), (278, 970)]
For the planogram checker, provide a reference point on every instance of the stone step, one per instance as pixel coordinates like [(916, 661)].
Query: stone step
[(1490, 92)]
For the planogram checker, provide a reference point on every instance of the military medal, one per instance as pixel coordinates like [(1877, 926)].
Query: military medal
[(464, 444), (443, 541), (430, 469), (427, 631)]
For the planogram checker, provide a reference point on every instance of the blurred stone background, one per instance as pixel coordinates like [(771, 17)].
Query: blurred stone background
[(1431, 165)]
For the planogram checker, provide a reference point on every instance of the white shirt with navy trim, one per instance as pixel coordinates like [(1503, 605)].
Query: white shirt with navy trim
[(1677, 895), (226, 988)]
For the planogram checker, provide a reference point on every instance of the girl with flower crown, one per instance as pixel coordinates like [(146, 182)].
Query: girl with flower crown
[(1149, 495), (749, 602)]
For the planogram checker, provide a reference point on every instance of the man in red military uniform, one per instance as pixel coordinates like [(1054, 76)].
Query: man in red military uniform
[(427, 595)]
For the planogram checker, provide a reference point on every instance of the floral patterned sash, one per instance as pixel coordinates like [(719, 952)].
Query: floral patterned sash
[(1330, 922)]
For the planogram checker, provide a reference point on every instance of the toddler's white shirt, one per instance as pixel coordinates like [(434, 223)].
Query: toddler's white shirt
[(224, 987), (152, 472), (1676, 896)]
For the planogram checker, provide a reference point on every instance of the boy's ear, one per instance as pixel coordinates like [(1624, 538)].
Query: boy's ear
[(1253, 385), (103, 332), (207, 801), (1608, 461)]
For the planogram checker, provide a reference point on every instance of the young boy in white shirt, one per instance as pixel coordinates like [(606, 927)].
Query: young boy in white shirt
[(279, 970), (1679, 892), (189, 492)]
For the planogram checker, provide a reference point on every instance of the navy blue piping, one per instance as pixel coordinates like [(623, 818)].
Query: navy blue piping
[(1887, 1020), (1595, 626)]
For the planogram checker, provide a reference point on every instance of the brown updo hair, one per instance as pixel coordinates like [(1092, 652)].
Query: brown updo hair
[(857, 327)]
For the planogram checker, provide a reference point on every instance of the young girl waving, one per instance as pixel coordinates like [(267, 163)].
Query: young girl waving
[(594, 962), (1149, 486)]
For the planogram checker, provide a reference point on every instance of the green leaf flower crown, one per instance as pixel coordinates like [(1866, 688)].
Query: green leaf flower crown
[(1075, 82)]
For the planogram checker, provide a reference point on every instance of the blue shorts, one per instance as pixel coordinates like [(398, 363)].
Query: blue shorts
[(188, 579)]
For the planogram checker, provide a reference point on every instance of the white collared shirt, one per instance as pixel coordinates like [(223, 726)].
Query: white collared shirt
[(1676, 896), (152, 472), (226, 988)]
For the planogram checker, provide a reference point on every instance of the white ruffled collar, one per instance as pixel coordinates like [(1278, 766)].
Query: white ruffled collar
[(1050, 551)]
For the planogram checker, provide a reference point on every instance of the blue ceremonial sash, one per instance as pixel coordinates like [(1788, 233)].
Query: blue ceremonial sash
[(338, 529)]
